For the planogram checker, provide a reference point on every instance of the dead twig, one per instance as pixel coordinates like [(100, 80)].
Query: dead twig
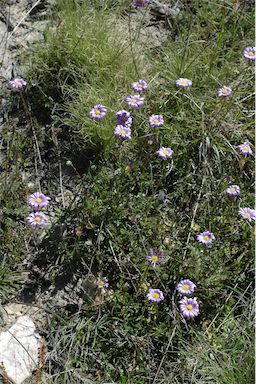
[(22, 19), (3, 373), (41, 364)]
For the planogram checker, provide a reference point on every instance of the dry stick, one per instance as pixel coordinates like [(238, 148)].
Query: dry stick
[(141, 23), (24, 348), (55, 140), (36, 145), (135, 38), (61, 184), (165, 353), (36, 169), (119, 266), (5, 44), (194, 215), (132, 40), (116, 260), (32, 128), (131, 46), (22, 19)]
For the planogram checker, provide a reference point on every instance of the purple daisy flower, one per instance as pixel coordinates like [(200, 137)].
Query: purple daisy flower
[(150, 139), (140, 3), (98, 112), (186, 287), (123, 132), (245, 149), (205, 237), (155, 295), (247, 213), (189, 307), (78, 231), (134, 101), (164, 152), (37, 219), (18, 83), (139, 86), (233, 190), (226, 178), (224, 91), (38, 200), (249, 53), (103, 282), (184, 83), (123, 118), (155, 257), (156, 120)]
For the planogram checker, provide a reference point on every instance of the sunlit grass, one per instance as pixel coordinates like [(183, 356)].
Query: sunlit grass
[(118, 188)]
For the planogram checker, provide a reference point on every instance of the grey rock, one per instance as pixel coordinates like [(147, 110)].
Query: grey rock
[(167, 10), (18, 31)]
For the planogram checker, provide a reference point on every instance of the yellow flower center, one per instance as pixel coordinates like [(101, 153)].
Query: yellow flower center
[(18, 83), (206, 237), (224, 91), (189, 307), (150, 142), (78, 232), (154, 258), (185, 287), (247, 214), (102, 283), (37, 219), (156, 295), (155, 120), (231, 190), (97, 112), (38, 199), (250, 53), (165, 152), (196, 227), (245, 148), (122, 132), (133, 101), (139, 85), (183, 82)]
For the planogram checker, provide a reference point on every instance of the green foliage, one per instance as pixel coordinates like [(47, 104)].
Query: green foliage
[(223, 354), (121, 218), (204, 52), (126, 200), (84, 61), (9, 281)]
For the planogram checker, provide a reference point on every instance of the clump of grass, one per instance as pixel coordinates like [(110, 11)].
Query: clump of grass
[(13, 208), (119, 335), (9, 282), (203, 52), (87, 60), (224, 352), (130, 200)]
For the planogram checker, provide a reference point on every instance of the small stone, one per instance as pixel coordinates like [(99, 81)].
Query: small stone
[(19, 349)]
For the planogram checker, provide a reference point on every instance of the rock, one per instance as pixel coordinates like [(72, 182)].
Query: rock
[(19, 349), (22, 23), (165, 10), (12, 311)]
